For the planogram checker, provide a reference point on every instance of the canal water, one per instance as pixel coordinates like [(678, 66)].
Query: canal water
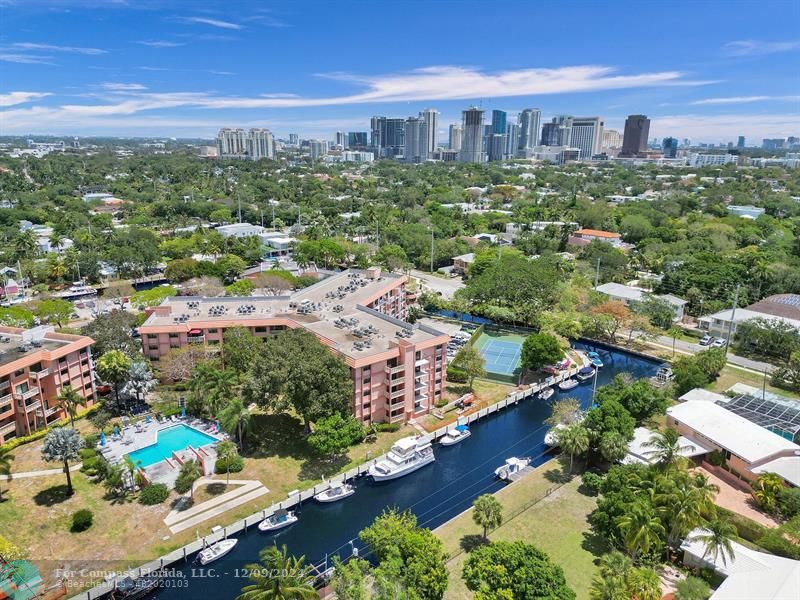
[(435, 493)]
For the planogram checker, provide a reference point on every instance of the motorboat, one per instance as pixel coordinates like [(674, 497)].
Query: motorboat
[(585, 373), (459, 434), (406, 456), (216, 551), (595, 358), (551, 437), (511, 467), (278, 520), (568, 384), (335, 493), (78, 289), (546, 393)]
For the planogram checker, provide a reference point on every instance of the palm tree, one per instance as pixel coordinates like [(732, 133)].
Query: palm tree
[(5, 465), (69, 400), (62, 445), (223, 384), (615, 564), (226, 452), (25, 245), (674, 332), (487, 512), (641, 529), (190, 470), (644, 584), (716, 536), (667, 449), (684, 506), (236, 418), (766, 489), (573, 439), (692, 588), (114, 367), (279, 577), (609, 588)]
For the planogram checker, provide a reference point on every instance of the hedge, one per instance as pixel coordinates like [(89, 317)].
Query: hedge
[(37, 435), (153, 494), (388, 427), (456, 375)]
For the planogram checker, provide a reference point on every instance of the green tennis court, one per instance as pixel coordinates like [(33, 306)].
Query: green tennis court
[(501, 351)]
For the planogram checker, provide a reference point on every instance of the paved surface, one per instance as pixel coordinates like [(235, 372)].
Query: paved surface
[(736, 500), (43, 473), (441, 285), (246, 490)]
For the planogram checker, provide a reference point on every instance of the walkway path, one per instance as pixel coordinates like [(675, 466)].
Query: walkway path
[(246, 490), (43, 473), (737, 501)]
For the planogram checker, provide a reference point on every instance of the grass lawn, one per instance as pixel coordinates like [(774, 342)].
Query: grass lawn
[(557, 525), (36, 515), (486, 393), (731, 375)]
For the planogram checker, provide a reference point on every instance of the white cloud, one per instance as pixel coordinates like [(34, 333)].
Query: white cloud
[(212, 22), (25, 59), (123, 87), (724, 128), (756, 47), (746, 100), (12, 98), (53, 48), (160, 43)]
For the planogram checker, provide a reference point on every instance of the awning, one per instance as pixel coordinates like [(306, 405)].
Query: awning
[(195, 332)]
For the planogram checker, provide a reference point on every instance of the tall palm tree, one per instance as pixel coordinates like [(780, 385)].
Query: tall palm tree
[(667, 448), (279, 577), (573, 439), (25, 245), (641, 529), (716, 536), (226, 452), (615, 563), (69, 400), (235, 418), (5, 465)]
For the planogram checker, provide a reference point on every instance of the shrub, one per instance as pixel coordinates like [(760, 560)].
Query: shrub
[(89, 466), (789, 502), (91, 441), (234, 465), (82, 520), (716, 458), (746, 528), (456, 375), (388, 427), (87, 453), (774, 542), (153, 494), (592, 482), (37, 435), (183, 484)]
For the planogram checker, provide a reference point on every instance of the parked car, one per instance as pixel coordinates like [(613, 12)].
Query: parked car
[(719, 343), (706, 340)]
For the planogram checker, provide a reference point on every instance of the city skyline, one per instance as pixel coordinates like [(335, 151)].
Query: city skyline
[(79, 67)]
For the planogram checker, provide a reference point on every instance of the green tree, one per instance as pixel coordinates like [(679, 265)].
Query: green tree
[(114, 367), (641, 529), (573, 439), (565, 412), (349, 580), (692, 588), (190, 472), (5, 465), (294, 369), (334, 434), (236, 419), (684, 505), (688, 376), (487, 512), (54, 310), (239, 348), (69, 400), (62, 445), (25, 245), (471, 362), (113, 331), (716, 538), (279, 576), (242, 287), (508, 570), (766, 489), (667, 449), (212, 388), (643, 584), (226, 452), (539, 350)]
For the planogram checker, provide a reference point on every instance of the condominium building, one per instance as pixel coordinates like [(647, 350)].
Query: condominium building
[(415, 148), (253, 144), (705, 160), (317, 148), (669, 146), (387, 136), (35, 366), (431, 118), (398, 369), (557, 132), (634, 139), (455, 137), (612, 139), (471, 150), (587, 134), (530, 123), (357, 140), (340, 139)]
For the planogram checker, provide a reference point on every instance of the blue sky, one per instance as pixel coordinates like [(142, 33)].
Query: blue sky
[(705, 70)]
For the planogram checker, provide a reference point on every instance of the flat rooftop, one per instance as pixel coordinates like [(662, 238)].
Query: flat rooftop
[(26, 343), (334, 308)]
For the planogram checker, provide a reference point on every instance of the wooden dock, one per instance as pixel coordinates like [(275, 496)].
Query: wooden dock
[(511, 478)]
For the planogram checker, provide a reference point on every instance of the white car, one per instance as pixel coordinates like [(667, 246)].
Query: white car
[(706, 340), (719, 343)]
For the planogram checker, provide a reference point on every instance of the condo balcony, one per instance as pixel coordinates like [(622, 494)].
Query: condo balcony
[(30, 393), (8, 428)]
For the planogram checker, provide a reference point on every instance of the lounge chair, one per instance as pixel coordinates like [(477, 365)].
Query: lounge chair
[(173, 419)]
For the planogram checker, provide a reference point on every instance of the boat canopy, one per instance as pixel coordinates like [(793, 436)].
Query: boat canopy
[(462, 428), (586, 370)]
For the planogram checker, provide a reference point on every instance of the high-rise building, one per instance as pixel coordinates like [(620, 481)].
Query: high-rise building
[(294, 139), (740, 142), (238, 143), (472, 136), (634, 140), (530, 123), (340, 139), (558, 132), (387, 136), (611, 139), (512, 140), (773, 143), (357, 140), (431, 118), (670, 147), (496, 146), (586, 133), (455, 137), (499, 121), (416, 140), (317, 148)]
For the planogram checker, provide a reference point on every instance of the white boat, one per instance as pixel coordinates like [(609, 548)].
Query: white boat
[(406, 456), (585, 373), (335, 493), (595, 358), (568, 384), (512, 466), (216, 551), (546, 393), (459, 434), (77, 290), (551, 437), (278, 520)]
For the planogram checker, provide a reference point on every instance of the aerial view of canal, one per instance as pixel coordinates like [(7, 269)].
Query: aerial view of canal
[(435, 493)]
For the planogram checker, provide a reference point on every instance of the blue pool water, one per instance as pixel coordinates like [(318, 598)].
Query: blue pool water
[(435, 493), (170, 440)]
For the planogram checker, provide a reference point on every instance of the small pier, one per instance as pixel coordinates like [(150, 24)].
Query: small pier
[(516, 475)]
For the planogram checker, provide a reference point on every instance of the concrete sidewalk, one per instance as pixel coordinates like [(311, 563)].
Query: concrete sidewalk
[(43, 473)]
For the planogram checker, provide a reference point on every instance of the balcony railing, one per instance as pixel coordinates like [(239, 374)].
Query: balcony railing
[(4, 399), (28, 394), (42, 373), (397, 393), (395, 381), (8, 428), (393, 370), (196, 339), (396, 401), (5, 384), (33, 406)]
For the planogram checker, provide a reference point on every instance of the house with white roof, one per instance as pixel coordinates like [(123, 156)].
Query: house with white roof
[(629, 294), (780, 307), (639, 451), (749, 574)]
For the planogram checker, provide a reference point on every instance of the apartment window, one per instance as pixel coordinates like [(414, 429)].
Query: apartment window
[(151, 346), (22, 388), (261, 329), (36, 367), (173, 335), (152, 336), (418, 356), (19, 372), (86, 373), (367, 392), (367, 381), (366, 406), (62, 360), (212, 330), (64, 372), (87, 385)]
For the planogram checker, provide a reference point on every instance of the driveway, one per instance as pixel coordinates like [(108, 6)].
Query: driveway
[(694, 348), (446, 287)]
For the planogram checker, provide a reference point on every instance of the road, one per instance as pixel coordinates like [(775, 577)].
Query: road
[(694, 348), (446, 287)]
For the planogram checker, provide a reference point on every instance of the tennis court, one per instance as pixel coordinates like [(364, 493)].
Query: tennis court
[(501, 351)]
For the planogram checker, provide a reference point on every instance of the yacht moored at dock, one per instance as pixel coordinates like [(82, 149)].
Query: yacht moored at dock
[(216, 551), (585, 373), (454, 436), (546, 393), (595, 358), (568, 384), (512, 467), (406, 456), (335, 493), (278, 520)]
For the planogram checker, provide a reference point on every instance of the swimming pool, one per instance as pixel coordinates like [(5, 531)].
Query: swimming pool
[(168, 441)]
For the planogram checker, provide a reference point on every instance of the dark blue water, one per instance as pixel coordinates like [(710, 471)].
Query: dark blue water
[(435, 493)]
